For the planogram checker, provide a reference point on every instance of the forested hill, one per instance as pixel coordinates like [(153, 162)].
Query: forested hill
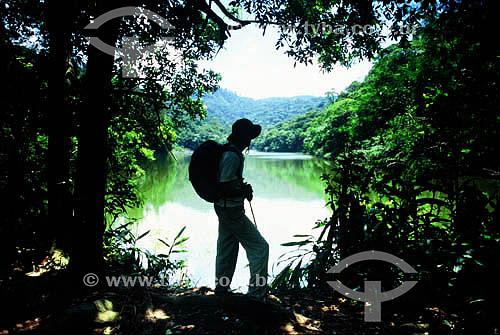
[(227, 107), (224, 107)]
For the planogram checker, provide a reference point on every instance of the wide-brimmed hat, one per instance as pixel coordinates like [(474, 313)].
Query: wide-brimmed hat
[(245, 129)]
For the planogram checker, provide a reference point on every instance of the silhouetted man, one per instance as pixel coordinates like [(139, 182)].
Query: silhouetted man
[(234, 225)]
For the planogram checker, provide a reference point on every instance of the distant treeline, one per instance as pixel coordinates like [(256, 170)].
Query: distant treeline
[(224, 107)]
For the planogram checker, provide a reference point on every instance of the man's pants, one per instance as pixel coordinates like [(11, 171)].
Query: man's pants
[(235, 228)]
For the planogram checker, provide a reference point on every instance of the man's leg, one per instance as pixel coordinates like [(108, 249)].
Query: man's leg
[(257, 250), (227, 253)]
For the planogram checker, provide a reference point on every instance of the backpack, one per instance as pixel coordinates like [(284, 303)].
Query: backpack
[(204, 168)]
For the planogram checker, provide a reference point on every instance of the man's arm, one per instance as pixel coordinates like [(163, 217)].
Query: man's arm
[(235, 188), (230, 184)]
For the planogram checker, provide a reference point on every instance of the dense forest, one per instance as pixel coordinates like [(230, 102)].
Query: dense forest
[(393, 85), (415, 154), (412, 149)]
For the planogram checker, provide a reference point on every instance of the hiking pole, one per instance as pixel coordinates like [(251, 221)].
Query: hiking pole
[(252, 214)]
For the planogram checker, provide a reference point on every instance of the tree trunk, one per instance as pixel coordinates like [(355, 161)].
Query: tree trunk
[(87, 253), (60, 122)]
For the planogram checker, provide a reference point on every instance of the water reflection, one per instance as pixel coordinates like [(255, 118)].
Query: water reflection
[(288, 199)]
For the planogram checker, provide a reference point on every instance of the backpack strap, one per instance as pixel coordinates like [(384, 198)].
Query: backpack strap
[(228, 147)]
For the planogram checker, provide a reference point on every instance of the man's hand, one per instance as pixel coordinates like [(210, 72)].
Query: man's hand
[(248, 191), (234, 189)]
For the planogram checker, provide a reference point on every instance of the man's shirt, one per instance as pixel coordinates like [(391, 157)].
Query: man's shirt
[(230, 169)]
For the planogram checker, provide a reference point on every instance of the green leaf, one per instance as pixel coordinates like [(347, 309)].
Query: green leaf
[(143, 235), (180, 233), (164, 242), (296, 274), (478, 263), (477, 300), (300, 243), (184, 239)]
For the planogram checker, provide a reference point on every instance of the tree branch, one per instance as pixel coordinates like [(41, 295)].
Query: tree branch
[(224, 28), (229, 15), (235, 19)]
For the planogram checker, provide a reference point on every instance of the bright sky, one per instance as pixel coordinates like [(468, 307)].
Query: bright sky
[(251, 66)]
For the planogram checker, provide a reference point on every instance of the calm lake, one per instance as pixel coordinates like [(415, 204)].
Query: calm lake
[(288, 200)]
